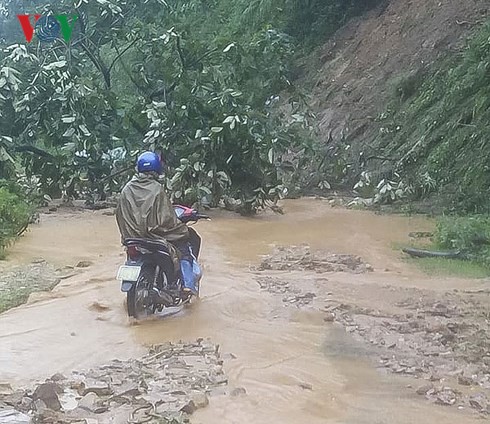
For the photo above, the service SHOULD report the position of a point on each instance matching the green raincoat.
(145, 211)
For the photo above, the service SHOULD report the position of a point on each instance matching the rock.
(330, 317)
(229, 356)
(130, 389)
(423, 390)
(306, 386)
(57, 377)
(89, 402)
(465, 381)
(11, 416)
(220, 379)
(99, 307)
(445, 397)
(6, 389)
(480, 402)
(200, 400)
(100, 388)
(239, 391)
(109, 213)
(189, 408)
(40, 407)
(84, 264)
(48, 393)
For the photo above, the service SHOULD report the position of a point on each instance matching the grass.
(450, 267)
(16, 286)
(437, 124)
(442, 267)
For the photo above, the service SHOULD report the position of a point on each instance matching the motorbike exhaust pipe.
(162, 298)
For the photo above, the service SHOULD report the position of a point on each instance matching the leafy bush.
(470, 235)
(14, 217)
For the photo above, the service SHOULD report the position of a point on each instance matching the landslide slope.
(401, 82)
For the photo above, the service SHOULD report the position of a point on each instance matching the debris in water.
(303, 259)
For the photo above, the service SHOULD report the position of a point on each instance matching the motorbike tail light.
(133, 252)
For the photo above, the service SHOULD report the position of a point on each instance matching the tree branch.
(120, 54)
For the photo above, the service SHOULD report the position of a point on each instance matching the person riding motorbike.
(145, 211)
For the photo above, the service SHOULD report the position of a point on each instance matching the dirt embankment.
(360, 64)
(441, 338)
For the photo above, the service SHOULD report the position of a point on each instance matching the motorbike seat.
(153, 245)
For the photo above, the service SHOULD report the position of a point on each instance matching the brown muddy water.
(294, 367)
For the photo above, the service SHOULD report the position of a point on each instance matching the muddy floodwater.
(293, 366)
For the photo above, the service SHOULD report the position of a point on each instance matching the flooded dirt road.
(294, 367)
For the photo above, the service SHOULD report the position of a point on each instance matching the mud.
(286, 355)
(441, 339)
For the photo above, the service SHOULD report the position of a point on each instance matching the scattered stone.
(423, 390)
(170, 382)
(445, 397)
(84, 264)
(48, 393)
(189, 408)
(6, 389)
(239, 391)
(57, 377)
(100, 388)
(465, 381)
(11, 416)
(306, 386)
(200, 400)
(99, 307)
(89, 402)
(229, 356)
(302, 258)
(480, 402)
(109, 212)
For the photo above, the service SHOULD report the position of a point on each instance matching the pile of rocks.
(303, 259)
(166, 386)
(292, 295)
(442, 339)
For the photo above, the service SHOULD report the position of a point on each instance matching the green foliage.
(470, 235)
(199, 81)
(161, 78)
(441, 132)
(14, 216)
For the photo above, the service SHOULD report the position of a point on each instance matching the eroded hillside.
(376, 66)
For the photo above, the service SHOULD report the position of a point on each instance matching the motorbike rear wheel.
(139, 301)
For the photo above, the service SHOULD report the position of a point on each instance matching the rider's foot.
(190, 291)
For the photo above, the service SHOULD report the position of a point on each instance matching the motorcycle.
(149, 276)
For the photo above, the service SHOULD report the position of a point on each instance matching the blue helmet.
(149, 162)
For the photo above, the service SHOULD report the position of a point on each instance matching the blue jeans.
(186, 265)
